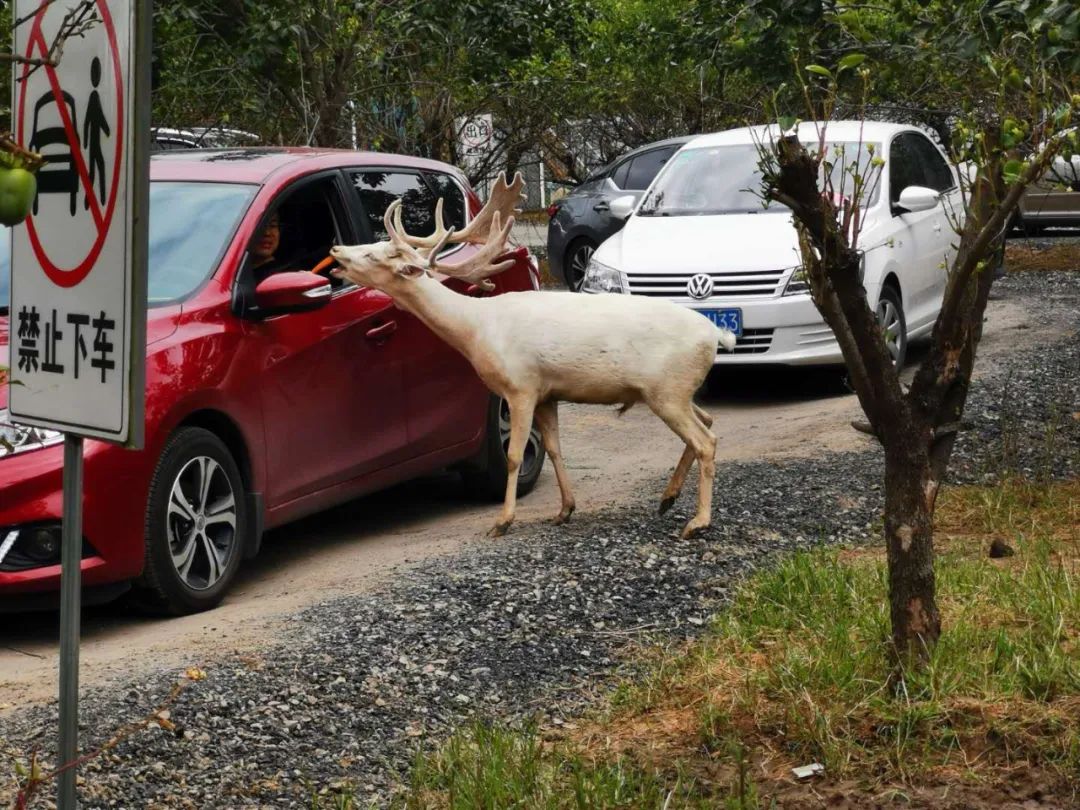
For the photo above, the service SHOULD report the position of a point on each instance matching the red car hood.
(160, 323)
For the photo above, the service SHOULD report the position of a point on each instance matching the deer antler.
(476, 268)
(481, 265)
(392, 224)
(504, 200)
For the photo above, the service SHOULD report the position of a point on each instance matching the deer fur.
(536, 349)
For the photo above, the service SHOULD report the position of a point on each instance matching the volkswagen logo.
(699, 286)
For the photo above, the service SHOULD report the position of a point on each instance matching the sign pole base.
(70, 608)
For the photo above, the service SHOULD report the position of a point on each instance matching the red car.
(269, 395)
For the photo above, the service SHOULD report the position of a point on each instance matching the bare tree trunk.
(330, 130)
(917, 428)
(513, 158)
(910, 494)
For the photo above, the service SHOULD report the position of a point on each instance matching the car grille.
(725, 285)
(752, 341)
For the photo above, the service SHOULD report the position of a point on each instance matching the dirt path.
(612, 460)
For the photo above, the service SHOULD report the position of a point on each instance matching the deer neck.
(450, 315)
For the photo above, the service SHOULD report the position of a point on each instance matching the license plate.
(730, 319)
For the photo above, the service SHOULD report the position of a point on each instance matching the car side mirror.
(291, 292)
(917, 198)
(623, 207)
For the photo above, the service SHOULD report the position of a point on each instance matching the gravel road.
(529, 626)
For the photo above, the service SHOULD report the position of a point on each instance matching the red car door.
(332, 381)
(445, 400)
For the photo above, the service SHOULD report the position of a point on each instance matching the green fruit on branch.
(18, 185)
(17, 190)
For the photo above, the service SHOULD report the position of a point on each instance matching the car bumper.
(114, 498)
(785, 331)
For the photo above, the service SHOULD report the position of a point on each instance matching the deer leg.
(675, 485)
(547, 419)
(684, 422)
(521, 417)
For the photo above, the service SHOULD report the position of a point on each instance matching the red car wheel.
(486, 479)
(196, 524)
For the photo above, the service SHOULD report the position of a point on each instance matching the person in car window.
(263, 247)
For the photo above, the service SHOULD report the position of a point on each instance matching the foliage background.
(584, 79)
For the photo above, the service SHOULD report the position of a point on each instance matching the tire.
(485, 479)
(890, 316)
(575, 262)
(176, 522)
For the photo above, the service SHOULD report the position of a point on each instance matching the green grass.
(798, 666)
(491, 767)
(796, 671)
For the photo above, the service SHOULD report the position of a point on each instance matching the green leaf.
(1011, 171)
(786, 122)
(820, 71)
(852, 60)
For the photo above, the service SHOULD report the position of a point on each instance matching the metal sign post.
(70, 598)
(79, 263)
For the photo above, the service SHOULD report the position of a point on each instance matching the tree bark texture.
(910, 495)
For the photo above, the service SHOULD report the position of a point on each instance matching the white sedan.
(700, 236)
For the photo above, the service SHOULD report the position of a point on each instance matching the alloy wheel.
(579, 262)
(201, 523)
(889, 319)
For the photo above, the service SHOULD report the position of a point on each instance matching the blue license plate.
(730, 319)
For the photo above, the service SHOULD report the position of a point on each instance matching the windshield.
(190, 225)
(726, 180)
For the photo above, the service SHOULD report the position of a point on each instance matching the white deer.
(535, 349)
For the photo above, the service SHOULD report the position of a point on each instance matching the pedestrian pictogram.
(96, 125)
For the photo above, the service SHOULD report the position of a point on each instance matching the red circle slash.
(69, 277)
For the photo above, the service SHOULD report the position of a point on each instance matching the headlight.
(797, 284)
(599, 278)
(16, 438)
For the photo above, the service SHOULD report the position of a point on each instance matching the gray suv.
(583, 219)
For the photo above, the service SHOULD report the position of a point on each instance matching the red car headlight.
(16, 438)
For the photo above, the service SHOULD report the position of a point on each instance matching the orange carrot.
(329, 260)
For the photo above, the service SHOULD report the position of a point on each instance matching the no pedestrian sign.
(78, 286)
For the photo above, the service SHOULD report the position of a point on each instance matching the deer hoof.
(499, 529)
(667, 503)
(564, 516)
(692, 532)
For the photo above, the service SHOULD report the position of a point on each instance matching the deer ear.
(409, 270)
